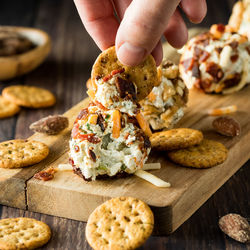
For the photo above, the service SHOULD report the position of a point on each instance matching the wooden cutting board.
(69, 196)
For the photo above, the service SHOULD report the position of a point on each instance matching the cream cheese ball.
(115, 92)
(166, 103)
(217, 61)
(240, 18)
(107, 143)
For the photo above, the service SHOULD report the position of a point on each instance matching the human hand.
(143, 22)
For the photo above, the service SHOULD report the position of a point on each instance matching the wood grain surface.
(64, 73)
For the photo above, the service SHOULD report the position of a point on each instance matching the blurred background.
(69, 63)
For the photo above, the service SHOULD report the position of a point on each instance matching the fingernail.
(129, 54)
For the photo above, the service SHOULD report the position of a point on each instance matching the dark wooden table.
(65, 73)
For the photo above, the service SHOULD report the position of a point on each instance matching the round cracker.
(207, 154)
(120, 223)
(29, 96)
(176, 139)
(7, 108)
(23, 233)
(21, 153)
(143, 75)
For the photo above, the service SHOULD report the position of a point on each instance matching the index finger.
(99, 20)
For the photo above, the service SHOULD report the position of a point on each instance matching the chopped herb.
(88, 126)
(9, 151)
(106, 140)
(107, 117)
(123, 167)
(82, 130)
(102, 167)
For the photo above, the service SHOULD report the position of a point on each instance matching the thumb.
(143, 24)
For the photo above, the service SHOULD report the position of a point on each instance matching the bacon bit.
(219, 49)
(101, 122)
(188, 63)
(75, 130)
(126, 136)
(221, 27)
(234, 58)
(77, 149)
(71, 162)
(223, 111)
(89, 137)
(233, 81)
(196, 70)
(125, 88)
(248, 50)
(215, 71)
(197, 52)
(106, 78)
(122, 122)
(117, 71)
(233, 44)
(45, 175)
(205, 55)
(143, 124)
(92, 155)
(100, 106)
(217, 30)
(147, 143)
(203, 39)
(83, 114)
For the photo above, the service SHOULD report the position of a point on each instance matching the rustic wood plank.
(172, 206)
(13, 181)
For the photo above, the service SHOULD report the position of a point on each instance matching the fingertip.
(195, 10)
(129, 54)
(157, 53)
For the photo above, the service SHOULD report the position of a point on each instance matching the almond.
(226, 126)
(236, 227)
(50, 125)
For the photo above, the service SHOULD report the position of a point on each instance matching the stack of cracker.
(27, 96)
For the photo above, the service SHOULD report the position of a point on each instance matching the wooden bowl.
(17, 65)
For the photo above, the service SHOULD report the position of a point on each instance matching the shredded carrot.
(151, 97)
(223, 111)
(91, 93)
(143, 124)
(116, 124)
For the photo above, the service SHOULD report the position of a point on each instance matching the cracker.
(120, 223)
(23, 233)
(176, 139)
(28, 96)
(21, 153)
(207, 154)
(143, 75)
(7, 108)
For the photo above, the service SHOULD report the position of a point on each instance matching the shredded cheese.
(64, 167)
(152, 166)
(152, 179)
(144, 124)
(223, 111)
